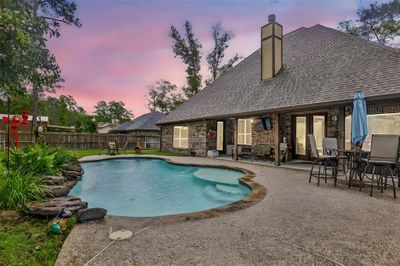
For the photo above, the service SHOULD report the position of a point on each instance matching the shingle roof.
(144, 122)
(322, 66)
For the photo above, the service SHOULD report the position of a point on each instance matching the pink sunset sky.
(123, 46)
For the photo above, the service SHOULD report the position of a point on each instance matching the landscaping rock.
(53, 180)
(51, 207)
(56, 191)
(76, 167)
(91, 214)
(72, 174)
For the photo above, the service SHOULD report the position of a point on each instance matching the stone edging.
(258, 193)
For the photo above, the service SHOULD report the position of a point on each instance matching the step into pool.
(144, 187)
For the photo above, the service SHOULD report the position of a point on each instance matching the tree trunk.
(35, 88)
(35, 104)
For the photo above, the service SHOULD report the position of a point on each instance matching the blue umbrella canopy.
(359, 120)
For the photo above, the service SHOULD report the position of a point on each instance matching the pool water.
(142, 187)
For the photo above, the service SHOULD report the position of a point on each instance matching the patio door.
(220, 136)
(308, 124)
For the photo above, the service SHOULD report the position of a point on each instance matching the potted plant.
(138, 149)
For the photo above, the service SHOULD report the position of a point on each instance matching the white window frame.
(245, 133)
(180, 138)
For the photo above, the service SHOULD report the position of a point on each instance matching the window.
(180, 139)
(377, 124)
(220, 135)
(244, 131)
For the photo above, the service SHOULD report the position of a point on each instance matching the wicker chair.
(325, 161)
(385, 157)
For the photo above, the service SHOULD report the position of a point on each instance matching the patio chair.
(111, 147)
(245, 152)
(124, 148)
(330, 147)
(326, 161)
(283, 148)
(385, 157)
(102, 147)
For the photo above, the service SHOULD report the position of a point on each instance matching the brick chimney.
(271, 48)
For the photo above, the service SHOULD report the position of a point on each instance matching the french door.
(308, 124)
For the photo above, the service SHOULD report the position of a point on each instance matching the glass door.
(220, 135)
(300, 140)
(308, 124)
(318, 129)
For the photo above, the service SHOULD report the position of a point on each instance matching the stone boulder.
(75, 167)
(91, 214)
(72, 174)
(53, 180)
(51, 207)
(56, 190)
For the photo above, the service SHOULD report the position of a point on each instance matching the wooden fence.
(73, 141)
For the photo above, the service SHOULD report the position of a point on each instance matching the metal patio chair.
(384, 156)
(330, 147)
(124, 148)
(324, 160)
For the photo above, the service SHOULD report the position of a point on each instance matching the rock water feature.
(56, 189)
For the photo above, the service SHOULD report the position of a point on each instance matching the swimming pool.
(144, 187)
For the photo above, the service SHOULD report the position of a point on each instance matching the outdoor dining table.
(354, 164)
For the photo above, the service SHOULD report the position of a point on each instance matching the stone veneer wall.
(197, 137)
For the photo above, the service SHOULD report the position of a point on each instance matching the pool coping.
(258, 193)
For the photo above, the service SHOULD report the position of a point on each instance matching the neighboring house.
(144, 128)
(283, 93)
(105, 128)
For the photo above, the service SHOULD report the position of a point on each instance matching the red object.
(15, 121)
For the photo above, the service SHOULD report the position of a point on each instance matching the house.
(144, 128)
(299, 83)
(104, 128)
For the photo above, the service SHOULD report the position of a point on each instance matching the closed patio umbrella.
(359, 120)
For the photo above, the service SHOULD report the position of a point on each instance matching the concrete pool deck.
(296, 223)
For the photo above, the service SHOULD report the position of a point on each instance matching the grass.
(25, 242)
(83, 153)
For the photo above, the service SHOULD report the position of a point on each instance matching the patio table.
(354, 164)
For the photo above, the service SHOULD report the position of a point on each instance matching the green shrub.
(34, 159)
(17, 188)
(61, 156)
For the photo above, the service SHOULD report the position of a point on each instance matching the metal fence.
(73, 141)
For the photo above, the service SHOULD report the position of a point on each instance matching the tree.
(189, 51)
(221, 40)
(46, 75)
(113, 112)
(162, 97)
(17, 47)
(378, 22)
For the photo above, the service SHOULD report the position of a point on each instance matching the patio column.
(277, 139)
(235, 138)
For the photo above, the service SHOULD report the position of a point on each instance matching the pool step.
(217, 195)
(229, 189)
(216, 176)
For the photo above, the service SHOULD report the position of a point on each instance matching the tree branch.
(55, 19)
